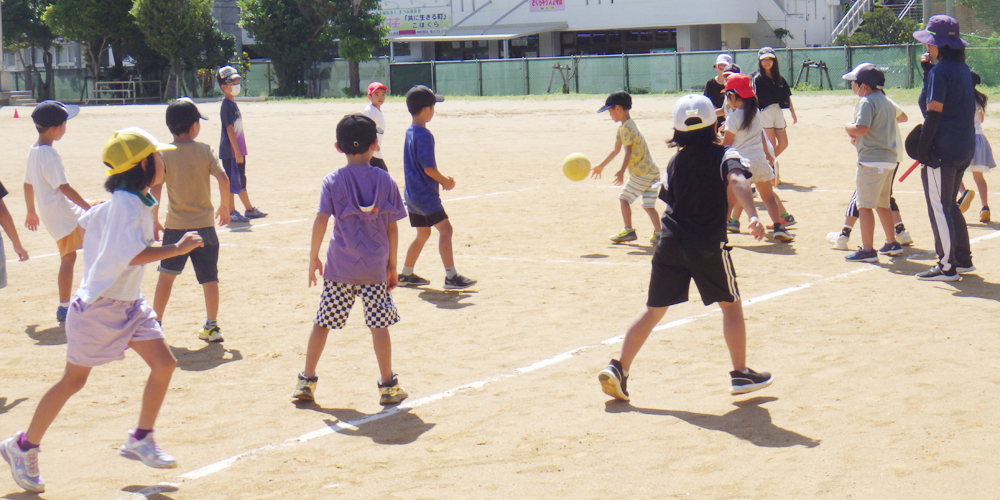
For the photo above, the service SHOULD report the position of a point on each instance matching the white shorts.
(772, 117)
(760, 169)
(99, 332)
(647, 187)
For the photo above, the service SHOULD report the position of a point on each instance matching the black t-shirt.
(771, 92)
(3, 191)
(713, 91)
(695, 194)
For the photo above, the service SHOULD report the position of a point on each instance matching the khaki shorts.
(772, 117)
(71, 242)
(874, 187)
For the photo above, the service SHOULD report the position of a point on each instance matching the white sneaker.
(146, 451)
(23, 464)
(839, 241)
(903, 237)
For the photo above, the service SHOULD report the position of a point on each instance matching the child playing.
(187, 171)
(47, 187)
(643, 174)
(982, 160)
(423, 202)
(108, 314)
(693, 245)
(233, 147)
(744, 134)
(376, 98)
(873, 133)
(361, 258)
(7, 223)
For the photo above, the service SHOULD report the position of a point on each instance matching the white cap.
(853, 75)
(693, 106)
(723, 58)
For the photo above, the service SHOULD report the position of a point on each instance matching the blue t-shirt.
(230, 114)
(421, 193)
(950, 83)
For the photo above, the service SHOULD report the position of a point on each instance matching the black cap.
(419, 97)
(356, 133)
(873, 77)
(619, 98)
(181, 114)
(53, 113)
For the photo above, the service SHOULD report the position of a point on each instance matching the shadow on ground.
(4, 407)
(212, 355)
(397, 426)
(749, 422)
(447, 299)
(154, 492)
(55, 335)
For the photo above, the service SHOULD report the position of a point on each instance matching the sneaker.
(965, 200)
(838, 240)
(458, 282)
(749, 382)
(733, 225)
(984, 214)
(893, 248)
(235, 216)
(306, 389)
(753, 192)
(412, 280)
(613, 380)
(788, 220)
(254, 213)
(146, 451)
(862, 255)
(61, 313)
(903, 237)
(965, 269)
(780, 234)
(654, 237)
(391, 393)
(625, 235)
(23, 464)
(211, 334)
(937, 274)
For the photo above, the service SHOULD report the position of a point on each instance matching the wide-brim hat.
(941, 30)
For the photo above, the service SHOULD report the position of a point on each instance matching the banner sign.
(546, 5)
(417, 20)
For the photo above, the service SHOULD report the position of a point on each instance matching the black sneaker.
(937, 274)
(412, 280)
(613, 380)
(458, 282)
(780, 234)
(749, 382)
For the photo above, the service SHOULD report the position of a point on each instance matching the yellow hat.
(129, 146)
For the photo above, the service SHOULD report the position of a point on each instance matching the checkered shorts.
(338, 298)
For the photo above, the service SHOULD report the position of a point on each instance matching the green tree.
(295, 34)
(95, 23)
(987, 11)
(24, 29)
(359, 28)
(880, 27)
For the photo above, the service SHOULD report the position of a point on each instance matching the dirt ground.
(885, 386)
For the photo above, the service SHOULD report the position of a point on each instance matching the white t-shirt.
(45, 173)
(115, 232)
(979, 124)
(747, 142)
(376, 114)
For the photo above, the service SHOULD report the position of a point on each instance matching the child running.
(47, 187)
(376, 98)
(7, 223)
(982, 160)
(643, 174)
(693, 244)
(108, 314)
(744, 134)
(361, 258)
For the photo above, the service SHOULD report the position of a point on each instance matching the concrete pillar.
(928, 10)
(493, 46)
(684, 40)
(227, 13)
(549, 44)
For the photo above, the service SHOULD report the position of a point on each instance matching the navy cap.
(53, 113)
(619, 98)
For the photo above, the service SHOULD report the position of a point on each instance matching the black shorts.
(204, 259)
(238, 183)
(417, 220)
(378, 163)
(674, 266)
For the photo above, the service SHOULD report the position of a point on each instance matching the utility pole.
(928, 7)
(950, 7)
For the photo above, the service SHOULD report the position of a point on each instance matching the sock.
(24, 444)
(785, 215)
(64, 304)
(450, 272)
(141, 434)
(745, 371)
(209, 323)
(846, 231)
(900, 228)
(407, 270)
(733, 219)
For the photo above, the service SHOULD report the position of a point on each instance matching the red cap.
(741, 84)
(372, 87)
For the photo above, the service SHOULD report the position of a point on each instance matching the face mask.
(235, 89)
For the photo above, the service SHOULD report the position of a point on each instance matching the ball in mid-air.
(576, 167)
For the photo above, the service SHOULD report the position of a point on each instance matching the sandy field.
(885, 386)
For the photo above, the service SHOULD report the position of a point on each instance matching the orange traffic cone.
(15, 113)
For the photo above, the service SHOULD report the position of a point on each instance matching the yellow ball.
(576, 167)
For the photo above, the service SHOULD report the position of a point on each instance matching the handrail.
(851, 20)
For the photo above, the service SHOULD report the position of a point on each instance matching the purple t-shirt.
(362, 201)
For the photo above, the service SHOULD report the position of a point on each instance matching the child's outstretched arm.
(620, 174)
(448, 183)
(223, 212)
(740, 187)
(392, 279)
(188, 242)
(74, 196)
(7, 223)
(596, 172)
(318, 233)
(31, 221)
